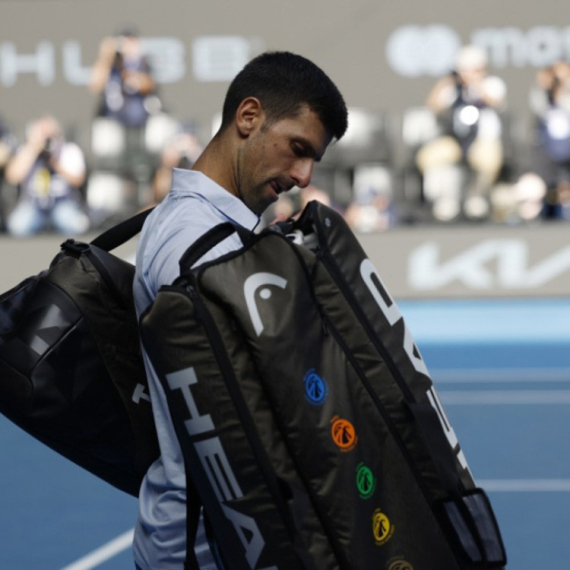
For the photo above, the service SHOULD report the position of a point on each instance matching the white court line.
(103, 553)
(504, 397)
(497, 375)
(525, 485)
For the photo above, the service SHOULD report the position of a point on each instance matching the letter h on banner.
(41, 63)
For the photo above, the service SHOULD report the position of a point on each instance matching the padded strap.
(208, 241)
(122, 232)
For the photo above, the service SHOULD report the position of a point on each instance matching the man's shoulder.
(176, 224)
(189, 213)
(169, 233)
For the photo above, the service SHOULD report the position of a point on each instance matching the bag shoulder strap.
(208, 241)
(117, 274)
(193, 505)
(122, 232)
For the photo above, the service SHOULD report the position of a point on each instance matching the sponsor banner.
(463, 261)
(388, 59)
(413, 262)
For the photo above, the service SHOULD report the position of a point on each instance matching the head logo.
(250, 287)
(343, 434)
(382, 528)
(399, 565)
(365, 481)
(316, 389)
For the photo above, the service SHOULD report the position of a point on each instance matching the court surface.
(502, 369)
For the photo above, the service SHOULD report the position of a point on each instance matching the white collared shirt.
(194, 205)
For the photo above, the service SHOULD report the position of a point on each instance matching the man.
(280, 114)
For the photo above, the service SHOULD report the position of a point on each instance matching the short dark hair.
(284, 82)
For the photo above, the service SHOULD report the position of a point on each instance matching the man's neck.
(216, 163)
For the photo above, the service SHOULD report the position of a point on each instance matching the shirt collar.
(195, 182)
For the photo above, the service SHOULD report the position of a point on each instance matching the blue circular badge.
(316, 389)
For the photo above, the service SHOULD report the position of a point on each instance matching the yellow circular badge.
(382, 528)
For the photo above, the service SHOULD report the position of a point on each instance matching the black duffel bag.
(71, 370)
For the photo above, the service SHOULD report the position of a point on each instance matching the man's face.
(278, 156)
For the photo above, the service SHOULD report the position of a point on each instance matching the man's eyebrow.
(317, 157)
(309, 149)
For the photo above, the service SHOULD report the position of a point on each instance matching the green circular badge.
(365, 481)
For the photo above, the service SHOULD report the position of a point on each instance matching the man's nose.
(302, 172)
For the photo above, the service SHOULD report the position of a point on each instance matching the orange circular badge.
(343, 434)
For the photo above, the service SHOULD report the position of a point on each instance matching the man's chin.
(265, 205)
(263, 198)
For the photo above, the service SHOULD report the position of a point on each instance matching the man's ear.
(249, 116)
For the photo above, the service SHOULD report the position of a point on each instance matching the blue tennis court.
(502, 368)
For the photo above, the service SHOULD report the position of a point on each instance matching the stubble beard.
(260, 198)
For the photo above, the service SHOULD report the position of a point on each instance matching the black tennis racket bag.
(309, 423)
(71, 370)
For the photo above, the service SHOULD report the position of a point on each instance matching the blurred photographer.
(49, 172)
(462, 164)
(549, 101)
(122, 76)
(181, 152)
(7, 146)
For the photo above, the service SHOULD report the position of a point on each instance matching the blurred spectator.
(7, 147)
(7, 144)
(292, 204)
(373, 215)
(461, 165)
(311, 193)
(372, 209)
(49, 172)
(522, 201)
(283, 209)
(286, 206)
(123, 78)
(129, 132)
(181, 152)
(550, 159)
(564, 200)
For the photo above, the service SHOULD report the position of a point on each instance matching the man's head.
(280, 114)
(285, 82)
